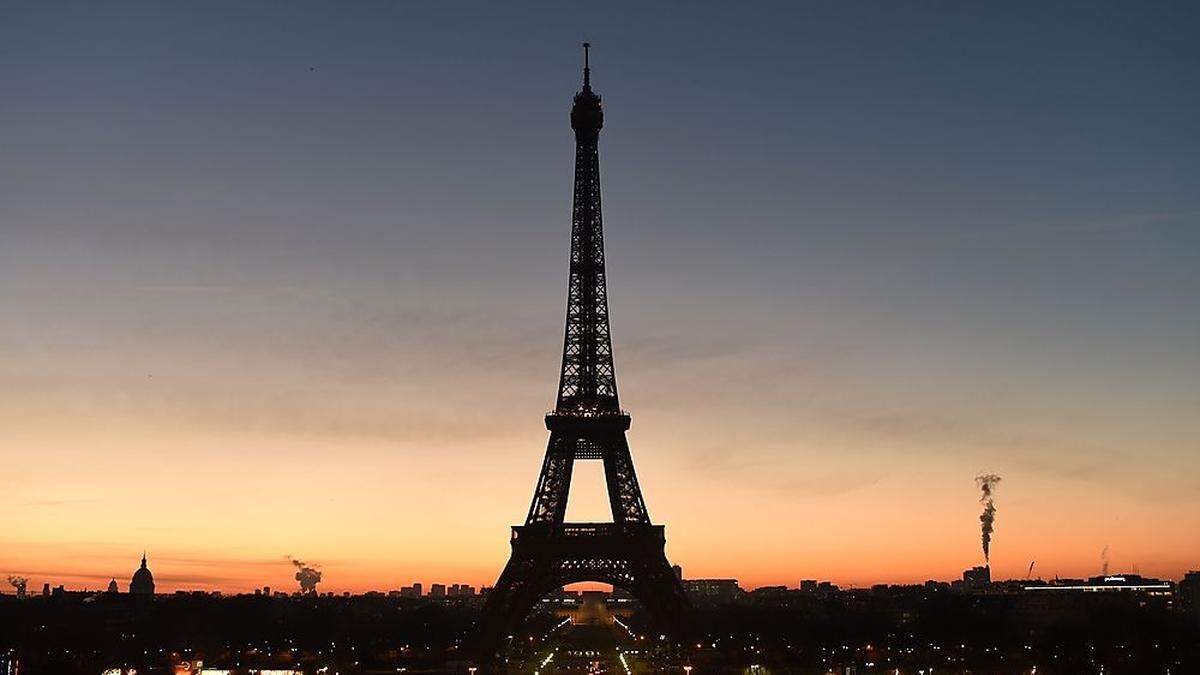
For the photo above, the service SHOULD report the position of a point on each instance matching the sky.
(289, 279)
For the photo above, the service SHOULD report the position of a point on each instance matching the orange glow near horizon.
(376, 516)
(388, 464)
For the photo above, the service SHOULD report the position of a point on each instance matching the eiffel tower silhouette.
(587, 424)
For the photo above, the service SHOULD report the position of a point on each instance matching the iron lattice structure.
(587, 424)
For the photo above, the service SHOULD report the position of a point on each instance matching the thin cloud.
(69, 501)
(197, 561)
(770, 470)
(651, 353)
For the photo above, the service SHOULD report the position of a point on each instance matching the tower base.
(546, 558)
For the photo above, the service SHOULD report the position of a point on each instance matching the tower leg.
(550, 497)
(624, 495)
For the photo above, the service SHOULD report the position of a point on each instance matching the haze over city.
(287, 280)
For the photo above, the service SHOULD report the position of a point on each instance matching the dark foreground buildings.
(817, 629)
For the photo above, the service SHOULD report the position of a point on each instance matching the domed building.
(143, 581)
(112, 587)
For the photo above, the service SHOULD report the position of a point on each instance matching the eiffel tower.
(587, 424)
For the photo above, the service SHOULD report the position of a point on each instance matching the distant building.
(593, 608)
(713, 591)
(143, 581)
(770, 595)
(977, 577)
(563, 594)
(814, 587)
(1107, 583)
(437, 591)
(678, 572)
(1189, 593)
(112, 586)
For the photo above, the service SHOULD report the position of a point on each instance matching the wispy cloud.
(776, 471)
(646, 354)
(66, 501)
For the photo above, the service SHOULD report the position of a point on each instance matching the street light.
(688, 670)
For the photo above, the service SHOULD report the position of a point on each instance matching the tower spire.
(587, 72)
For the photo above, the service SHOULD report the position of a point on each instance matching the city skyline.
(313, 307)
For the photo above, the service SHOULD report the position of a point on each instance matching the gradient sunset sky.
(289, 278)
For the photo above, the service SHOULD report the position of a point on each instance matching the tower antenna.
(587, 71)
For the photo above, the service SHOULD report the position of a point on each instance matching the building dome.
(143, 581)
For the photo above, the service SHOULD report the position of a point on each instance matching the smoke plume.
(1104, 560)
(308, 576)
(987, 486)
(18, 583)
